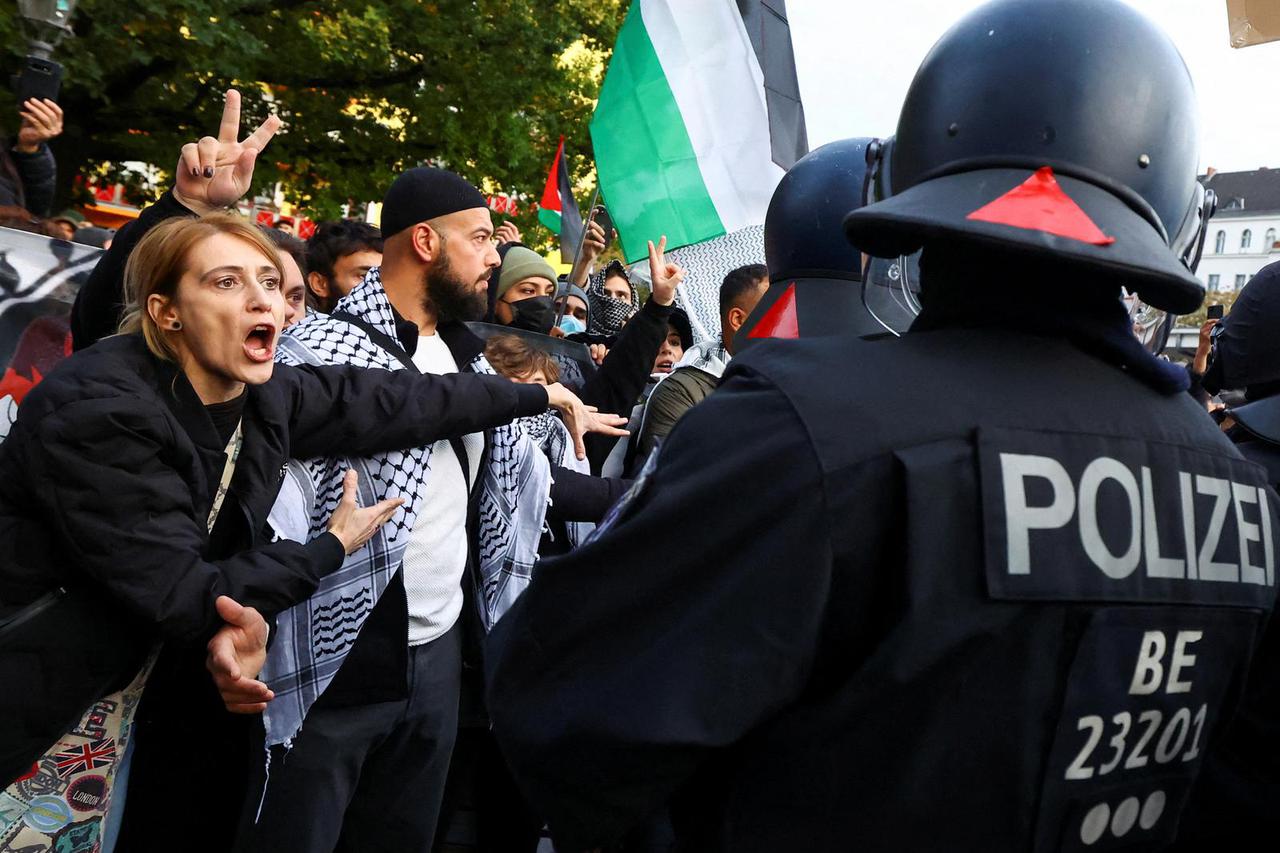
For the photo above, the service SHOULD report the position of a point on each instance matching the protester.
(513, 358)
(368, 766)
(293, 257)
(181, 705)
(678, 339)
(339, 256)
(612, 300)
(144, 417)
(525, 285)
(28, 171)
(700, 370)
(901, 596)
(573, 300)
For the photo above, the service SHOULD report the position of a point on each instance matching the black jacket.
(106, 480)
(28, 180)
(834, 617)
(100, 302)
(619, 382)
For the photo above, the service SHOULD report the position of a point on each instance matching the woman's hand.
(582, 419)
(236, 655)
(354, 525)
(598, 353)
(214, 174)
(41, 121)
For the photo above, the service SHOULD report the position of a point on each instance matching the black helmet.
(815, 273)
(1065, 128)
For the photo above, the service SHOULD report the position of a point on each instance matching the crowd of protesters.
(340, 544)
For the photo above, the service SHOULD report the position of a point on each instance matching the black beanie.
(425, 193)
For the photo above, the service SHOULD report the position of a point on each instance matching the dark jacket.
(824, 633)
(620, 381)
(678, 393)
(27, 180)
(106, 480)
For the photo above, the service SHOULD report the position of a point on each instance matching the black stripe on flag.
(766, 22)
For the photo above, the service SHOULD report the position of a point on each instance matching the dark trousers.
(370, 777)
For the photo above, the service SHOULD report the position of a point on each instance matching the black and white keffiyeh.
(314, 637)
(605, 314)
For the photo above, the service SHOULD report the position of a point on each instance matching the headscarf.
(607, 315)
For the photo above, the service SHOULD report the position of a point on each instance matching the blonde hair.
(158, 262)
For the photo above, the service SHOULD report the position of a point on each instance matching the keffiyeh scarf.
(607, 315)
(313, 638)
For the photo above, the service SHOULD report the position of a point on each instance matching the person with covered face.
(526, 285)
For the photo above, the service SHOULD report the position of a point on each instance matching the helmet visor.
(891, 291)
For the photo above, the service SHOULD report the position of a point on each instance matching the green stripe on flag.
(648, 171)
(550, 218)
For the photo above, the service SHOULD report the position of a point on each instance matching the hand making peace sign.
(215, 173)
(663, 275)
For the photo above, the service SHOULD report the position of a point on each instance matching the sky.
(855, 60)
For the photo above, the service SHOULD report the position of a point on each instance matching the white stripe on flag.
(718, 86)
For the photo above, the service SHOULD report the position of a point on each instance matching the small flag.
(558, 210)
(1039, 204)
(87, 756)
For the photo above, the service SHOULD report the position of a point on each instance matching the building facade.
(1242, 236)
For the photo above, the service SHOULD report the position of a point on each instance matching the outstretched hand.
(663, 275)
(213, 174)
(581, 419)
(236, 655)
(355, 525)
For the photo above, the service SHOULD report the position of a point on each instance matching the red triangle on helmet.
(780, 321)
(1039, 204)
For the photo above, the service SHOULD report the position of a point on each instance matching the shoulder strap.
(394, 349)
(228, 470)
(382, 339)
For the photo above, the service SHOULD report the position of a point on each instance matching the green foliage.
(484, 87)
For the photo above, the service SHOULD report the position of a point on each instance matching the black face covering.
(536, 314)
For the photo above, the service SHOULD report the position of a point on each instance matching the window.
(1245, 239)
(1214, 279)
(1269, 240)
(1239, 282)
(1220, 242)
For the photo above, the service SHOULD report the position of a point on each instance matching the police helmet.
(1061, 128)
(815, 273)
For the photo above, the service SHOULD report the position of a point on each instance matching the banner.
(39, 279)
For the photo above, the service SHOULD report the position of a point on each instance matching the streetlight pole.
(48, 22)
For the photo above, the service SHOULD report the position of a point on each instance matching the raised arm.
(211, 175)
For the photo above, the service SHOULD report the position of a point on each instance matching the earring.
(176, 325)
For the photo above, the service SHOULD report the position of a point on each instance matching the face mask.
(571, 325)
(537, 314)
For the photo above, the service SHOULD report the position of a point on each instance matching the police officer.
(1234, 800)
(815, 274)
(995, 590)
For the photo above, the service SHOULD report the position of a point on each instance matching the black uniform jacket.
(921, 594)
(106, 481)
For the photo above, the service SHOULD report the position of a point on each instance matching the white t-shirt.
(436, 555)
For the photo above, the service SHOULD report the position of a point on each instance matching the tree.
(484, 87)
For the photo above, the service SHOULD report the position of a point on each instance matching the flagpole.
(591, 214)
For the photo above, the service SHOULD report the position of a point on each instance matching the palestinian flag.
(698, 119)
(558, 210)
